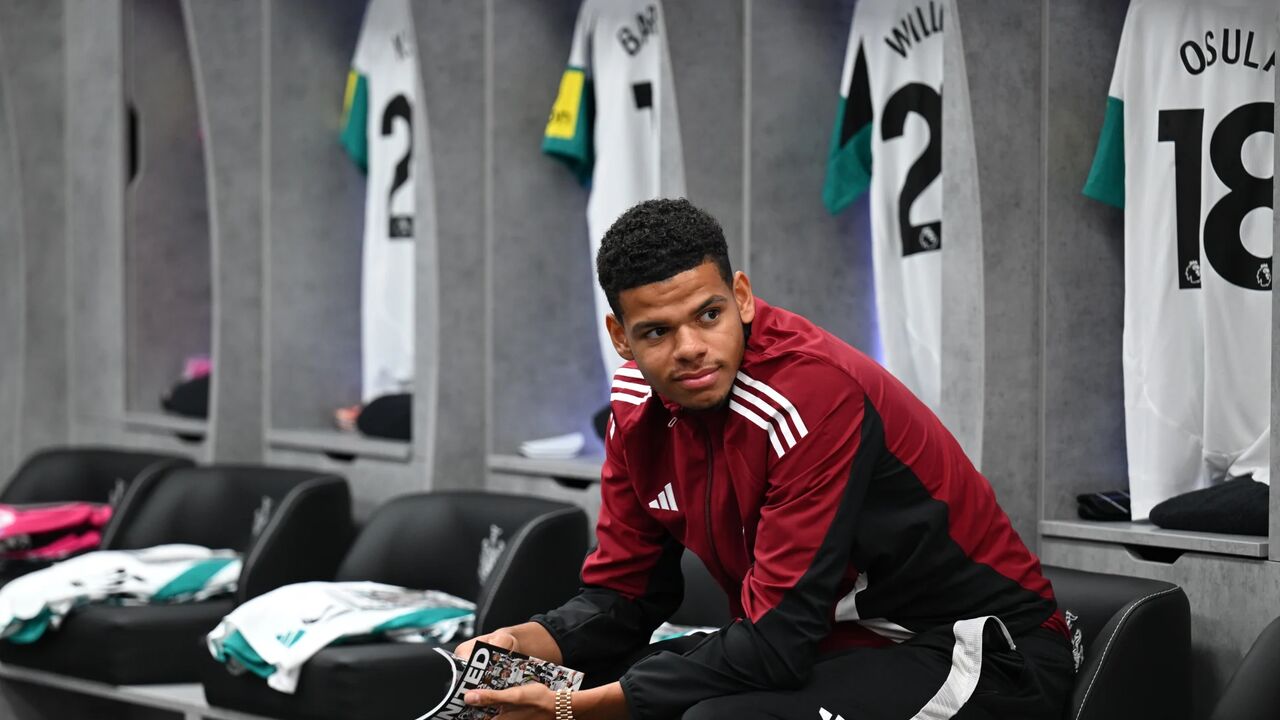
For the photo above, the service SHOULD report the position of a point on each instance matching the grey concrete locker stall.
(226, 42)
(314, 217)
(95, 219)
(97, 213)
(545, 372)
(545, 375)
(32, 52)
(963, 281)
(802, 258)
(1232, 580)
(314, 211)
(991, 287)
(1084, 447)
(12, 276)
(452, 301)
(168, 294)
(163, 238)
(315, 224)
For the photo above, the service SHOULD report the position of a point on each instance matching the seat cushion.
(125, 645)
(371, 681)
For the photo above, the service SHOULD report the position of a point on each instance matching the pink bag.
(51, 532)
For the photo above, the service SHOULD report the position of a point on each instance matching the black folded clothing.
(1113, 505)
(1237, 506)
(390, 416)
(189, 398)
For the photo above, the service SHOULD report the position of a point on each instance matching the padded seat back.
(704, 604)
(528, 549)
(1136, 636)
(90, 474)
(1253, 693)
(218, 506)
(290, 525)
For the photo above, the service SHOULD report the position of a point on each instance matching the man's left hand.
(527, 702)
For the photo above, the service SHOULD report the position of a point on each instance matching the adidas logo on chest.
(666, 500)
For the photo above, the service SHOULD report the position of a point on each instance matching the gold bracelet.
(564, 704)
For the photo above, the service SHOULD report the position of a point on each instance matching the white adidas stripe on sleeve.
(769, 410)
(778, 398)
(628, 398)
(624, 385)
(756, 420)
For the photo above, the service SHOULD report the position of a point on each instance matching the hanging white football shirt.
(275, 634)
(888, 137)
(614, 121)
(1186, 150)
(378, 133)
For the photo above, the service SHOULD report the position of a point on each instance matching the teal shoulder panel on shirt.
(237, 648)
(355, 120)
(1106, 177)
(569, 128)
(848, 167)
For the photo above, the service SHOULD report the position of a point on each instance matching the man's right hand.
(501, 637)
(528, 638)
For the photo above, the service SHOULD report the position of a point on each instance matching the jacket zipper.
(706, 506)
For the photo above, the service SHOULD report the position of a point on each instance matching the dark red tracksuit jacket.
(832, 506)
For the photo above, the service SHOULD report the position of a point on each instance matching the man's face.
(685, 333)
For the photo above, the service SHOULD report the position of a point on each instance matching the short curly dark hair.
(656, 240)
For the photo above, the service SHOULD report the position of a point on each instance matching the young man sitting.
(872, 573)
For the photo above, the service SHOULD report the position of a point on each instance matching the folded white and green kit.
(273, 635)
(37, 602)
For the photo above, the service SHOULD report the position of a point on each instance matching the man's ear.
(618, 334)
(743, 296)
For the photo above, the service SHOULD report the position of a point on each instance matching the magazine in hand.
(493, 668)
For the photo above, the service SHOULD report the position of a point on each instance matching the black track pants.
(964, 672)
